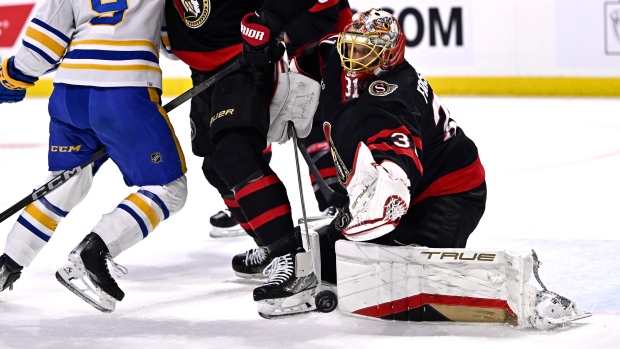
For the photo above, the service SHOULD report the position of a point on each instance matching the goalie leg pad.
(422, 284)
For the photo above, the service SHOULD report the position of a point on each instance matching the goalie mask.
(372, 42)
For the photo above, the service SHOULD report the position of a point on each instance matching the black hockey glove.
(262, 43)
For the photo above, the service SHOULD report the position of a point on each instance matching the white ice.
(552, 173)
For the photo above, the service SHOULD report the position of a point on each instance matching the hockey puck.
(326, 301)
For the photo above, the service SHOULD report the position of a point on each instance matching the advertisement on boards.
(13, 20)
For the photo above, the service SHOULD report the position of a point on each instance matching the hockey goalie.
(416, 189)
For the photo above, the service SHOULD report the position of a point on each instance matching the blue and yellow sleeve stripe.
(46, 41)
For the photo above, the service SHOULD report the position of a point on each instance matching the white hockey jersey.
(97, 42)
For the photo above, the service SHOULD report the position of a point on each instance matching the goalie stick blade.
(70, 273)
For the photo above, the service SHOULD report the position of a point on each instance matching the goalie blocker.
(466, 285)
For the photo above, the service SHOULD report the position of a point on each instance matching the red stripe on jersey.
(413, 302)
(318, 7)
(268, 149)
(269, 216)
(388, 134)
(208, 61)
(458, 181)
(325, 173)
(400, 151)
(257, 185)
(245, 226)
(317, 147)
(231, 203)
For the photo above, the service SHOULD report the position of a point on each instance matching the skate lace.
(255, 256)
(118, 269)
(279, 270)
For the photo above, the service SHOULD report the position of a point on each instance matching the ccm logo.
(252, 33)
(64, 149)
(483, 257)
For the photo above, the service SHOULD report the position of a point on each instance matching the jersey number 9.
(110, 12)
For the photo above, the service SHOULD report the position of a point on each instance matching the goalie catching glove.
(13, 83)
(378, 196)
(295, 99)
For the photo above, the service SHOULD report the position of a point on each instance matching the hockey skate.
(10, 271)
(252, 263)
(224, 225)
(87, 274)
(290, 288)
(551, 309)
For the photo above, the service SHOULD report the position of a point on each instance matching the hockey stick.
(333, 198)
(325, 300)
(66, 175)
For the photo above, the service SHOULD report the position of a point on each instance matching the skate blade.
(71, 273)
(259, 276)
(566, 319)
(298, 304)
(227, 232)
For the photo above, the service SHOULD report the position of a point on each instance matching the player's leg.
(230, 221)
(69, 146)
(441, 221)
(140, 139)
(239, 130)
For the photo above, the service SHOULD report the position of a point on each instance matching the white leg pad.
(460, 284)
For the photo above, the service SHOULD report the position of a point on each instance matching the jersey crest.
(193, 12)
(341, 169)
(381, 88)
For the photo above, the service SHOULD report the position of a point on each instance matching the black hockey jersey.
(206, 33)
(401, 120)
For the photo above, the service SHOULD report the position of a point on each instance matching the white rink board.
(519, 38)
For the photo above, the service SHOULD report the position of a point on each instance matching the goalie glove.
(295, 99)
(378, 196)
(13, 83)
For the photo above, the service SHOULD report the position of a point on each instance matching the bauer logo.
(193, 12)
(13, 18)
(612, 28)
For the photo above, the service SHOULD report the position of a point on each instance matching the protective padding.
(38, 221)
(140, 213)
(422, 284)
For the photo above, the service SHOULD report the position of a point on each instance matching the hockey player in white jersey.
(106, 94)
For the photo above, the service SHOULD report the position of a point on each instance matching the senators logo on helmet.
(193, 12)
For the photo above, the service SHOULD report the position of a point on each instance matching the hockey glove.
(262, 42)
(378, 196)
(13, 83)
(295, 100)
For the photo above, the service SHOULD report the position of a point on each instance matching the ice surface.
(552, 173)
